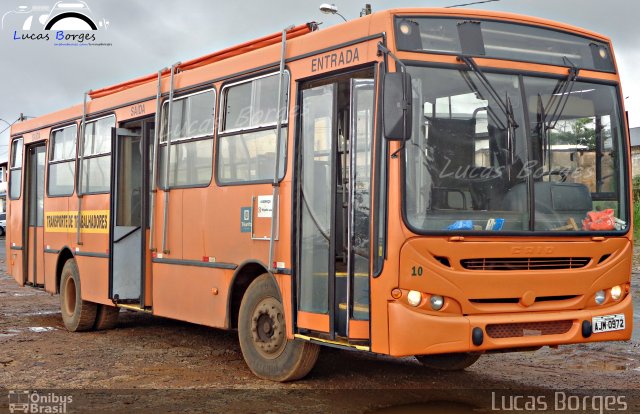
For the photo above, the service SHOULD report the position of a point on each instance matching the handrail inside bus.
(230, 52)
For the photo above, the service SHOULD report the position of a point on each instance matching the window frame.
(12, 168)
(62, 161)
(81, 158)
(179, 141)
(223, 133)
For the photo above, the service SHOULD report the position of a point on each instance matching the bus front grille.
(525, 263)
(517, 330)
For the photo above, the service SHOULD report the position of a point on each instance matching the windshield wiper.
(504, 106)
(560, 96)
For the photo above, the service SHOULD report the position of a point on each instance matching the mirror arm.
(382, 49)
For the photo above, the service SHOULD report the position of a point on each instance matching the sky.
(37, 77)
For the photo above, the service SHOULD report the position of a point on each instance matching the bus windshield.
(553, 162)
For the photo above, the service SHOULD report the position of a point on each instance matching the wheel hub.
(267, 328)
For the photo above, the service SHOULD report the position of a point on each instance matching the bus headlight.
(616, 292)
(414, 297)
(600, 297)
(437, 302)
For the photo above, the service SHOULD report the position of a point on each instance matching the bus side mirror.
(396, 95)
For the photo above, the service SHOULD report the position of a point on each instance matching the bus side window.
(15, 172)
(248, 129)
(62, 161)
(96, 163)
(190, 163)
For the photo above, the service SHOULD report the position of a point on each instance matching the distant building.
(635, 151)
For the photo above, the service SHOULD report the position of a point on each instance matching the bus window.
(62, 161)
(191, 140)
(247, 151)
(96, 164)
(15, 174)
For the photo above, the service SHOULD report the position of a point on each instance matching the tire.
(77, 314)
(449, 362)
(267, 351)
(106, 317)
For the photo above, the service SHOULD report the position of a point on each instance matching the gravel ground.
(151, 364)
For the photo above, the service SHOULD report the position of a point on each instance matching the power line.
(470, 4)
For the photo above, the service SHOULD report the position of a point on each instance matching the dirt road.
(196, 363)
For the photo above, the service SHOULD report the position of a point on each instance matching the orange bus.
(432, 182)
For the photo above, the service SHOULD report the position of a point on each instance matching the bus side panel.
(174, 233)
(194, 223)
(14, 240)
(190, 293)
(284, 282)
(55, 239)
(93, 279)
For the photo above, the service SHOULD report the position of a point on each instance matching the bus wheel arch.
(64, 255)
(243, 276)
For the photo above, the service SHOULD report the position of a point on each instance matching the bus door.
(334, 200)
(34, 212)
(127, 212)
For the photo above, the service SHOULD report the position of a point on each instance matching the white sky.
(37, 78)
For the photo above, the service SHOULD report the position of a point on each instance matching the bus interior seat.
(572, 199)
(452, 146)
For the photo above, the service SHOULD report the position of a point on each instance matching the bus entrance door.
(34, 214)
(127, 241)
(334, 203)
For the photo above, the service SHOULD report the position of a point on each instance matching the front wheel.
(449, 362)
(263, 337)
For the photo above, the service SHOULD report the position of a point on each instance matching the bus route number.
(416, 271)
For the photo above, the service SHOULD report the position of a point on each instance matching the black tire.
(106, 317)
(267, 351)
(449, 362)
(77, 314)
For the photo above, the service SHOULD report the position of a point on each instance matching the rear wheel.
(77, 314)
(263, 338)
(106, 317)
(449, 362)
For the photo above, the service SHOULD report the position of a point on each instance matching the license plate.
(608, 323)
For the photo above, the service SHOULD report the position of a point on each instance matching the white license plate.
(608, 323)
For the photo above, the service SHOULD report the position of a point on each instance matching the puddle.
(39, 313)
(34, 329)
(41, 329)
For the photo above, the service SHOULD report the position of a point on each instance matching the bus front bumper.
(412, 332)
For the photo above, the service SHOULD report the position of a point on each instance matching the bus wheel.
(77, 314)
(106, 317)
(449, 362)
(263, 337)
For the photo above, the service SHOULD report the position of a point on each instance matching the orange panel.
(30, 249)
(93, 279)
(148, 274)
(186, 293)
(39, 253)
(314, 321)
(358, 329)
